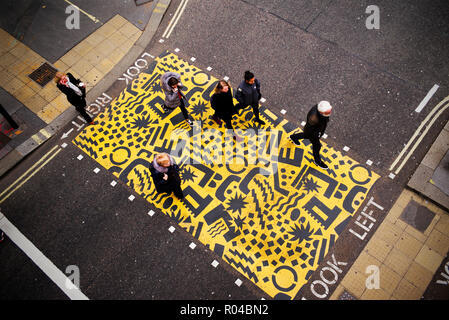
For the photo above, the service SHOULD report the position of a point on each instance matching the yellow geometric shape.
(260, 204)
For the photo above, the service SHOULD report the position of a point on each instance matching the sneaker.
(293, 141)
(217, 120)
(166, 109)
(321, 164)
(190, 122)
(92, 123)
(261, 122)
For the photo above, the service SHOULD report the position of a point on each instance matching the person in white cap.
(317, 120)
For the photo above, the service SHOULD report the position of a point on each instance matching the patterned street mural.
(260, 204)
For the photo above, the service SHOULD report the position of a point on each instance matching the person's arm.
(239, 95)
(258, 88)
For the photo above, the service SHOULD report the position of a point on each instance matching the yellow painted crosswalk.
(260, 204)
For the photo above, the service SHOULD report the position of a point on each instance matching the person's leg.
(256, 114)
(296, 137)
(184, 111)
(84, 114)
(216, 118)
(316, 147)
(177, 191)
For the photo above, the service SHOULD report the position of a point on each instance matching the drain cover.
(44, 74)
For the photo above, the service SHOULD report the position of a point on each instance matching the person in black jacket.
(165, 174)
(248, 94)
(317, 119)
(75, 91)
(223, 105)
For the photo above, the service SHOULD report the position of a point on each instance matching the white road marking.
(192, 246)
(345, 148)
(225, 78)
(175, 19)
(423, 123)
(283, 111)
(171, 229)
(215, 263)
(303, 123)
(177, 50)
(31, 175)
(420, 138)
(262, 100)
(80, 157)
(209, 68)
(324, 136)
(28, 171)
(427, 98)
(131, 198)
(238, 282)
(113, 183)
(64, 145)
(151, 213)
(91, 17)
(96, 170)
(369, 162)
(391, 175)
(57, 276)
(193, 59)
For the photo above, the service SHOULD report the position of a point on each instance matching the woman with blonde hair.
(75, 92)
(223, 105)
(165, 174)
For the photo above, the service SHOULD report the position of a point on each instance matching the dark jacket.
(168, 185)
(315, 128)
(223, 104)
(248, 95)
(72, 97)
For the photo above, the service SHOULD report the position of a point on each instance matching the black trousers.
(255, 107)
(227, 121)
(81, 109)
(183, 109)
(316, 144)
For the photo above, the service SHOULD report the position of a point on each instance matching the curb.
(16, 155)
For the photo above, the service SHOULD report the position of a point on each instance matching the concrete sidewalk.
(97, 61)
(410, 247)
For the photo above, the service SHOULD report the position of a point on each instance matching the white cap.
(325, 108)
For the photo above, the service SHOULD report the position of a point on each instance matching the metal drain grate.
(44, 74)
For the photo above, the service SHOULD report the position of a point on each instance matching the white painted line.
(177, 18)
(391, 175)
(171, 229)
(209, 68)
(420, 138)
(131, 198)
(427, 98)
(369, 162)
(192, 246)
(262, 100)
(215, 263)
(238, 282)
(345, 148)
(31, 175)
(177, 50)
(80, 157)
(173, 19)
(225, 78)
(91, 17)
(417, 132)
(161, 40)
(59, 278)
(64, 145)
(303, 123)
(193, 59)
(113, 183)
(151, 213)
(29, 170)
(283, 111)
(96, 170)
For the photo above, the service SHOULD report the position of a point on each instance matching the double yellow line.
(435, 113)
(29, 173)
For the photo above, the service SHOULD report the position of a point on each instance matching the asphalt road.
(302, 53)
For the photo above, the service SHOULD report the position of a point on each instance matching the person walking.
(165, 174)
(223, 105)
(75, 92)
(171, 85)
(317, 119)
(248, 94)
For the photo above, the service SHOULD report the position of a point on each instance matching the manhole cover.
(346, 296)
(44, 74)
(416, 215)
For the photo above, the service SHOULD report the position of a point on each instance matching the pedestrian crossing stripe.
(270, 213)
